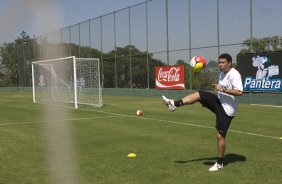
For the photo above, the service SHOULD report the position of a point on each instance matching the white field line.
(77, 119)
(167, 121)
(277, 106)
(189, 124)
(9, 100)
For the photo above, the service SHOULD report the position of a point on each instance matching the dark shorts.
(212, 102)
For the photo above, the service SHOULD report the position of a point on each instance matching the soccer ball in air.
(139, 113)
(197, 63)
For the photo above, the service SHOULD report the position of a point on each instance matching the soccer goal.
(67, 80)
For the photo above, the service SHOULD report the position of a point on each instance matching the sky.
(31, 15)
(21, 15)
(38, 17)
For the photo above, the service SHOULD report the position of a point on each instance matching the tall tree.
(266, 44)
(138, 68)
(14, 55)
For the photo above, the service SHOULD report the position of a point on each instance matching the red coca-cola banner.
(169, 77)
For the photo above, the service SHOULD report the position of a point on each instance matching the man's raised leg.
(187, 100)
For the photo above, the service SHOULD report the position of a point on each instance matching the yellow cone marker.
(131, 155)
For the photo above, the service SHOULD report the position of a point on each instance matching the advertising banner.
(169, 77)
(261, 72)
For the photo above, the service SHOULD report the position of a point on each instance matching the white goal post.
(67, 80)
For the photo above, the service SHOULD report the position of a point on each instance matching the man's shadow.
(228, 158)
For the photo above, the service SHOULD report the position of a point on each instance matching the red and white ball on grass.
(197, 63)
(139, 113)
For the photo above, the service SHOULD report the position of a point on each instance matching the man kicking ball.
(223, 105)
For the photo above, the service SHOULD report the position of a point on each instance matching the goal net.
(67, 80)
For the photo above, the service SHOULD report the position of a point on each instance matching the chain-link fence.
(131, 41)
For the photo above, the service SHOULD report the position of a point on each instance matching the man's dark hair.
(226, 56)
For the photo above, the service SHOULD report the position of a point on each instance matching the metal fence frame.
(38, 53)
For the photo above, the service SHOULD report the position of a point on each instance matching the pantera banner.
(169, 77)
(261, 72)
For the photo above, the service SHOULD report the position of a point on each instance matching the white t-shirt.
(231, 80)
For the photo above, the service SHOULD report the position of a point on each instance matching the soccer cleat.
(169, 103)
(216, 167)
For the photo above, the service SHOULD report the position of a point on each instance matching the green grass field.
(171, 148)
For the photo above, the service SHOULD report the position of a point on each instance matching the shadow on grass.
(229, 158)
